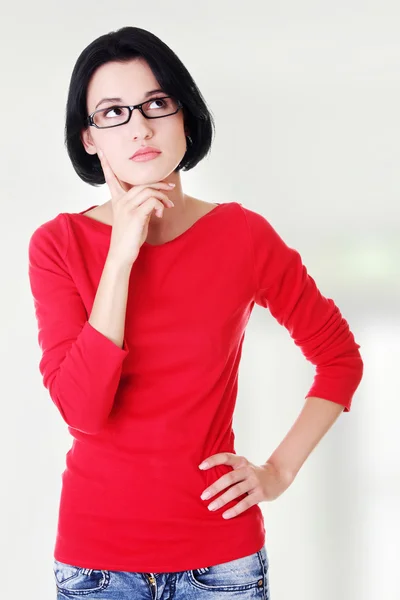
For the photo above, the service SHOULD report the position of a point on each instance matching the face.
(130, 81)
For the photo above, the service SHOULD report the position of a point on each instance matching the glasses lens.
(117, 115)
(160, 107)
(113, 115)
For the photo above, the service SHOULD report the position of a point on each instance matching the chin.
(148, 175)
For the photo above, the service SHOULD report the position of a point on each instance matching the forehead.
(127, 80)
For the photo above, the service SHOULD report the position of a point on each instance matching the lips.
(146, 150)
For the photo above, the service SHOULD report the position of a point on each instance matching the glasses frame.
(131, 108)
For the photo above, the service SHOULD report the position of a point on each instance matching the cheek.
(180, 146)
(111, 146)
(173, 146)
(174, 138)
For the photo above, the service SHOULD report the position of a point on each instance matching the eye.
(113, 109)
(162, 101)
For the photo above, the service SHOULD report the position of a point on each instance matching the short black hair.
(124, 45)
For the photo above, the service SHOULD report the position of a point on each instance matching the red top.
(144, 416)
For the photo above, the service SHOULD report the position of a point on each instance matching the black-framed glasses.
(116, 115)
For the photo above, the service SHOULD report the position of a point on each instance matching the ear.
(87, 141)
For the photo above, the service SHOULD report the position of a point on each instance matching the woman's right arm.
(82, 357)
(109, 308)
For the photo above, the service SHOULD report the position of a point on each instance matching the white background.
(314, 89)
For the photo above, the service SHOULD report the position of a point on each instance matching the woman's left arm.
(254, 483)
(315, 419)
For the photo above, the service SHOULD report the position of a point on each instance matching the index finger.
(116, 187)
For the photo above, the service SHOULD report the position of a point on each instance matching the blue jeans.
(245, 578)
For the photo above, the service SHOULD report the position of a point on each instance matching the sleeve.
(283, 285)
(80, 366)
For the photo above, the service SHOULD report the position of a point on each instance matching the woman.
(142, 304)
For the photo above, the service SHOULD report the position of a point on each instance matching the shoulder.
(260, 227)
(52, 234)
(253, 218)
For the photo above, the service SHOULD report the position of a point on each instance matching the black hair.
(123, 45)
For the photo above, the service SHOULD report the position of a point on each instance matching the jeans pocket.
(72, 579)
(241, 574)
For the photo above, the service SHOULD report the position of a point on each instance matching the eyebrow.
(147, 94)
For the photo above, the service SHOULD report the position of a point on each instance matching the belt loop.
(203, 570)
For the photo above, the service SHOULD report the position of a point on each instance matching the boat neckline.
(106, 227)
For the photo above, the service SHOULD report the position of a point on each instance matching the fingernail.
(171, 203)
(171, 184)
(100, 153)
(203, 465)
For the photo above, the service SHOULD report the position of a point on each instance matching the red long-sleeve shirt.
(144, 416)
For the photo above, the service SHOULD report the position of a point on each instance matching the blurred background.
(315, 88)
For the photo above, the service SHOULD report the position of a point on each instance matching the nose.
(139, 125)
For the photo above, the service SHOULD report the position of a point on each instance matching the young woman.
(142, 304)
